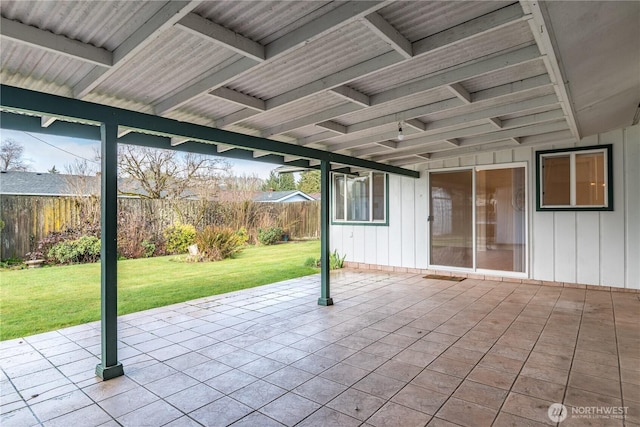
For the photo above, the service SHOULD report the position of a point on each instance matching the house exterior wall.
(588, 248)
(295, 198)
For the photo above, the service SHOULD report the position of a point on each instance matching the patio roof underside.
(458, 77)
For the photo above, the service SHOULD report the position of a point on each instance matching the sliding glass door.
(452, 218)
(478, 219)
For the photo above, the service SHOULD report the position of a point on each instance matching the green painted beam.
(325, 204)
(28, 101)
(343, 170)
(109, 366)
(33, 124)
(162, 142)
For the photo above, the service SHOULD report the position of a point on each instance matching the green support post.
(325, 295)
(109, 367)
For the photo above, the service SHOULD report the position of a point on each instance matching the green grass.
(45, 299)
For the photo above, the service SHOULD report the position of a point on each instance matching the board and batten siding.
(591, 248)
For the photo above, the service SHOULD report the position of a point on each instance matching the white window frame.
(572, 153)
(370, 221)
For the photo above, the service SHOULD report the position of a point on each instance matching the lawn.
(49, 298)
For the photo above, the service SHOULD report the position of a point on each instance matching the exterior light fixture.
(400, 134)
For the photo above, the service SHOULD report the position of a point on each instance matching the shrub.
(243, 233)
(216, 243)
(135, 234)
(269, 236)
(43, 247)
(312, 262)
(83, 250)
(179, 237)
(149, 248)
(335, 261)
(12, 263)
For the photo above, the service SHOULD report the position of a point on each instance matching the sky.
(42, 152)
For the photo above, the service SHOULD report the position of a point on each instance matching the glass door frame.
(475, 269)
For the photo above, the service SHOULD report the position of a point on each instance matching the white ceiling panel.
(173, 58)
(40, 65)
(419, 19)
(100, 23)
(338, 73)
(504, 76)
(443, 59)
(210, 106)
(263, 21)
(317, 60)
(295, 110)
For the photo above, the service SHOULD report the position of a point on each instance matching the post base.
(110, 371)
(325, 301)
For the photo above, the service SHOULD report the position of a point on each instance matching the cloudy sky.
(42, 152)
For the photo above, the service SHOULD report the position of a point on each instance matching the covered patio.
(396, 349)
(397, 91)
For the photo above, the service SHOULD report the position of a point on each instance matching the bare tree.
(81, 178)
(83, 167)
(158, 174)
(84, 184)
(243, 182)
(240, 188)
(11, 153)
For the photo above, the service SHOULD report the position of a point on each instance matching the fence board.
(28, 219)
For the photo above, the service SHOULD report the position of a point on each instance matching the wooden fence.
(28, 219)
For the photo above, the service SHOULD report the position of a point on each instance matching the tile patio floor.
(395, 350)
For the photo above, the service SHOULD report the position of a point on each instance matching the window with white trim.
(360, 199)
(575, 179)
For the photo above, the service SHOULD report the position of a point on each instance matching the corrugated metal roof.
(263, 21)
(442, 59)
(316, 60)
(528, 112)
(40, 65)
(412, 101)
(173, 58)
(504, 76)
(209, 106)
(481, 105)
(177, 68)
(100, 23)
(297, 109)
(191, 117)
(19, 80)
(306, 131)
(416, 20)
(129, 104)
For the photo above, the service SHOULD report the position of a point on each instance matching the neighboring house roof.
(316, 196)
(57, 184)
(282, 196)
(47, 184)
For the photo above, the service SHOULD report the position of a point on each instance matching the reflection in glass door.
(481, 213)
(500, 219)
(452, 218)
